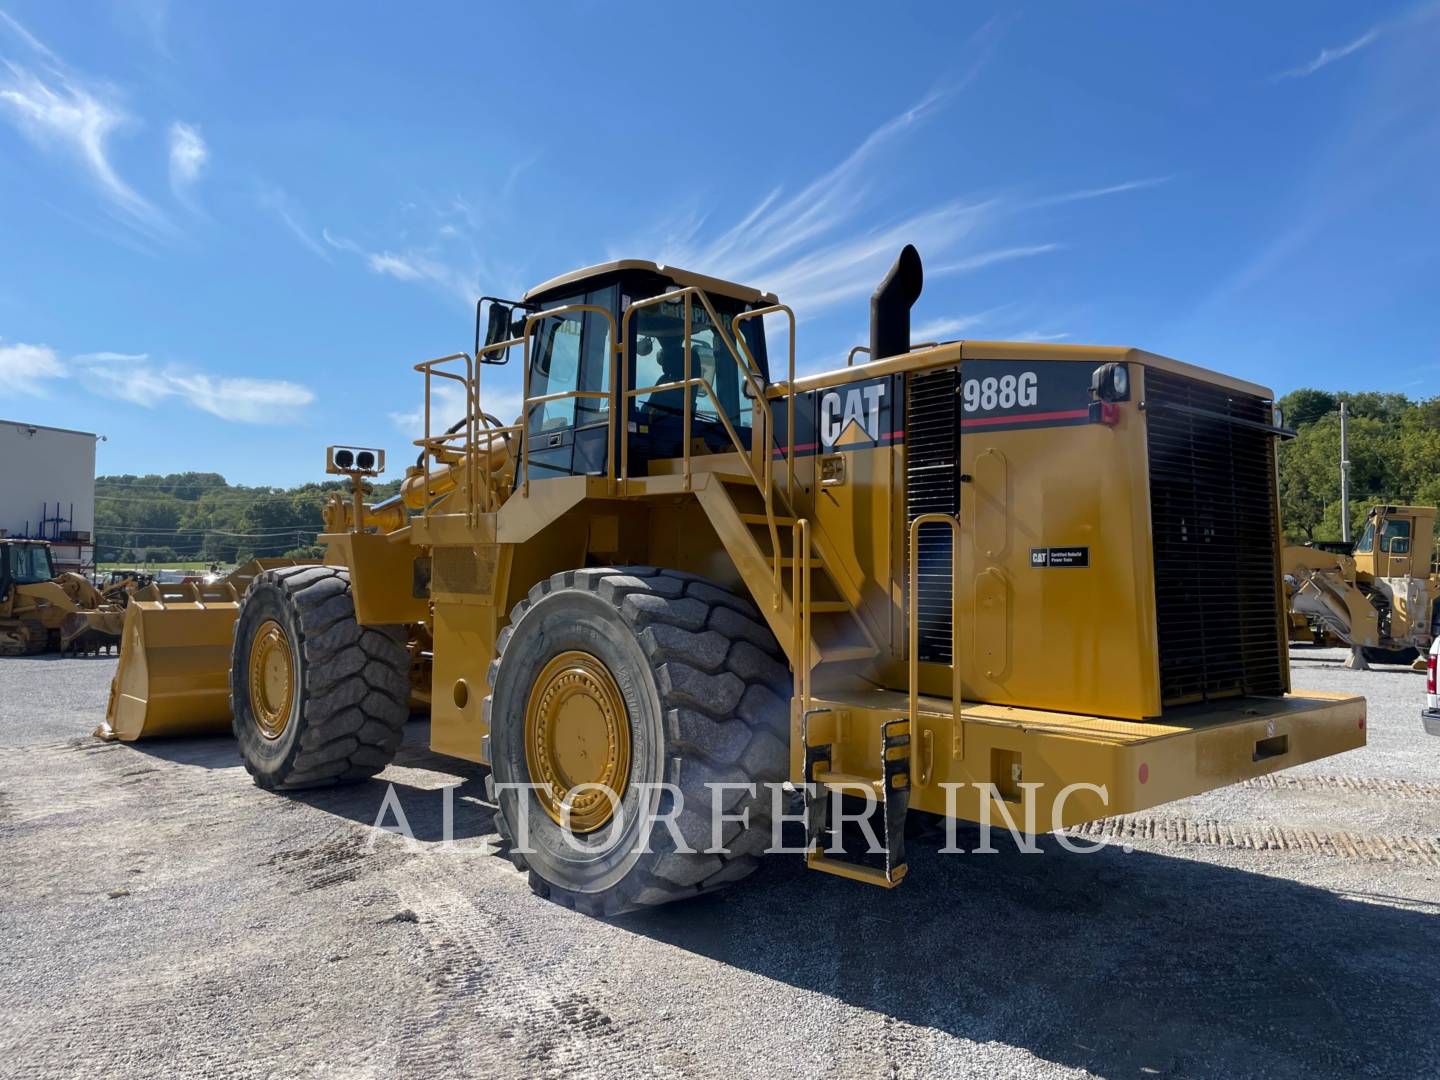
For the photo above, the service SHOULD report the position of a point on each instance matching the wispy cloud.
(133, 378)
(32, 370)
(1039, 335)
(813, 246)
(27, 369)
(512, 178)
(289, 214)
(59, 112)
(945, 329)
(1101, 192)
(1327, 56)
(188, 157)
(990, 258)
(460, 279)
(777, 227)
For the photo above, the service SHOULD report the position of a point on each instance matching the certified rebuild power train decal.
(1000, 395)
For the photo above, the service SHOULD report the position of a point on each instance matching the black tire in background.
(706, 692)
(1406, 655)
(351, 683)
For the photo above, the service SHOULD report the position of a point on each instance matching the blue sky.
(228, 231)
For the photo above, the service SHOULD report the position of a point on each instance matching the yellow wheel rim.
(577, 732)
(272, 679)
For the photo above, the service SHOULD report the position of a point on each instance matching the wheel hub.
(577, 732)
(272, 679)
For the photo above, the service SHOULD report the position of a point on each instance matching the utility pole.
(1344, 474)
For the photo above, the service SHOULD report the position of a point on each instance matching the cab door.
(568, 435)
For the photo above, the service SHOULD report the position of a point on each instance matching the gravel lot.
(162, 915)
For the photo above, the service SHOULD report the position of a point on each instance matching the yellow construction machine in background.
(1383, 600)
(974, 579)
(42, 611)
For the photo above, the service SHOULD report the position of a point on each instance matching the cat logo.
(851, 417)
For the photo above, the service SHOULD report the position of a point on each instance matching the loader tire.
(701, 696)
(1379, 655)
(315, 698)
(23, 637)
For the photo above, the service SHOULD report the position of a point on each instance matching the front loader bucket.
(91, 631)
(174, 673)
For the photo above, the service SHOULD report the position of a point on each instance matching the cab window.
(571, 352)
(30, 564)
(1395, 537)
(1366, 544)
(659, 350)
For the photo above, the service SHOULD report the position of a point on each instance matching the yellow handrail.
(761, 441)
(431, 444)
(912, 603)
(461, 448)
(800, 576)
(850, 356)
(774, 309)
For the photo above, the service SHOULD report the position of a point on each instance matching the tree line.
(201, 517)
(1394, 451)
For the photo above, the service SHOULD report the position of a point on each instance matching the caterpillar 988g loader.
(958, 579)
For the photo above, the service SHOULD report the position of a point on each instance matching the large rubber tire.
(33, 638)
(1407, 655)
(351, 685)
(706, 693)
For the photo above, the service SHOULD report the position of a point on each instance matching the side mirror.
(506, 320)
(497, 329)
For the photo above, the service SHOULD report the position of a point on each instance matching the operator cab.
(571, 354)
(1396, 542)
(24, 563)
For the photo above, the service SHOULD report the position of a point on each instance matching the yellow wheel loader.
(1382, 600)
(41, 611)
(690, 593)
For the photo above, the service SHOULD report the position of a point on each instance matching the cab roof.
(682, 278)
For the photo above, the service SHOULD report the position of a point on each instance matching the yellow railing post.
(912, 644)
(800, 650)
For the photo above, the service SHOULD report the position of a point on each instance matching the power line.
(199, 531)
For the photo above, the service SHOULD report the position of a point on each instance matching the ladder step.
(830, 605)
(761, 519)
(847, 652)
(870, 876)
(842, 782)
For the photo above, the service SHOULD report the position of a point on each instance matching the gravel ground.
(161, 915)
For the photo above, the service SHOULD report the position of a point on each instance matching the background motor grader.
(41, 611)
(956, 580)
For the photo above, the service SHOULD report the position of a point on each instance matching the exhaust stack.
(890, 305)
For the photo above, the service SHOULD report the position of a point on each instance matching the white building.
(47, 489)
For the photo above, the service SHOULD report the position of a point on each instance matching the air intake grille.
(1213, 518)
(932, 486)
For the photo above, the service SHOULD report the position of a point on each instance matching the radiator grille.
(932, 486)
(1213, 519)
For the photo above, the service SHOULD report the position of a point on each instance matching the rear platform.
(1071, 769)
